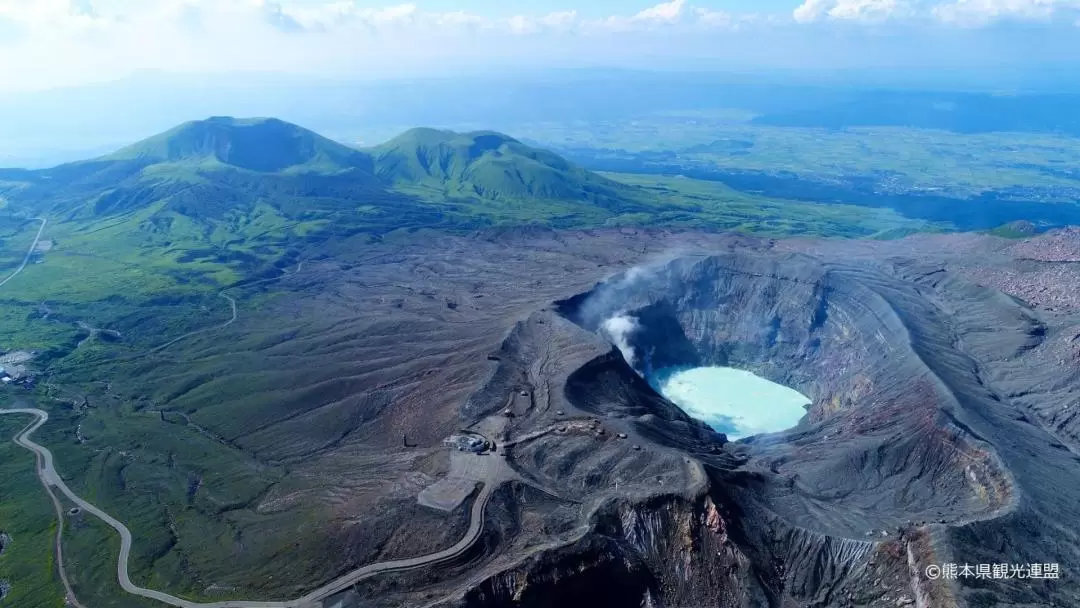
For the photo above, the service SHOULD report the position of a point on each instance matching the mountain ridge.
(490, 165)
(263, 185)
(263, 145)
(434, 163)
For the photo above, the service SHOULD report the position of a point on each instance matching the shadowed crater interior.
(916, 447)
(880, 444)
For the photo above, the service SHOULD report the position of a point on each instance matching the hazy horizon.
(78, 122)
(81, 77)
(55, 43)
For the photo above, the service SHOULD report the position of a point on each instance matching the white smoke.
(619, 330)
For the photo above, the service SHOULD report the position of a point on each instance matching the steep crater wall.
(881, 445)
(789, 319)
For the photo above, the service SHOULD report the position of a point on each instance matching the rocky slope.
(939, 433)
(942, 430)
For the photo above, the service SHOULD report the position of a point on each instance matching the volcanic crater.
(943, 426)
(914, 451)
(881, 444)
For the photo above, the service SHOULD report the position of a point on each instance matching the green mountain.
(238, 198)
(490, 165)
(264, 145)
(247, 188)
(218, 174)
(212, 169)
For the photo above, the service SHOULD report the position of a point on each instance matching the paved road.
(51, 479)
(30, 252)
(72, 600)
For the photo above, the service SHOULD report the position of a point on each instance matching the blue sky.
(589, 9)
(50, 43)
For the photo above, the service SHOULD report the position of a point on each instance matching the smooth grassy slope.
(265, 145)
(236, 193)
(186, 497)
(485, 166)
(16, 236)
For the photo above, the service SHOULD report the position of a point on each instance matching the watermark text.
(993, 571)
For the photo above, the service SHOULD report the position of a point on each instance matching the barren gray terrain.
(941, 429)
(942, 369)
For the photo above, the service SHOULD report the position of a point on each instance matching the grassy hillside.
(493, 166)
(264, 145)
(217, 173)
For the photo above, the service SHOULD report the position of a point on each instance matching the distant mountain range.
(48, 127)
(269, 183)
(210, 169)
(222, 200)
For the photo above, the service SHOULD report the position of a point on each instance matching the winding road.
(71, 599)
(30, 252)
(50, 479)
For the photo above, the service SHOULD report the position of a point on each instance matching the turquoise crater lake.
(732, 401)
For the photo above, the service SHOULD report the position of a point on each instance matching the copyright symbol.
(933, 572)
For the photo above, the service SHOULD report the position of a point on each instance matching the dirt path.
(232, 319)
(232, 304)
(50, 479)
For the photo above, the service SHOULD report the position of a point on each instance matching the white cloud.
(559, 19)
(663, 14)
(520, 24)
(51, 42)
(811, 10)
(954, 12)
(344, 14)
(851, 10)
(459, 19)
(56, 16)
(980, 12)
(713, 18)
(866, 10)
(666, 12)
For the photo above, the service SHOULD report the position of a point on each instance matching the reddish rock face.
(714, 521)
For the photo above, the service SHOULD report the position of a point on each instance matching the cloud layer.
(51, 42)
(949, 12)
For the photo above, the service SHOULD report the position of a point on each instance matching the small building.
(467, 443)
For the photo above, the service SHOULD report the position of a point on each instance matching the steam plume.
(619, 330)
